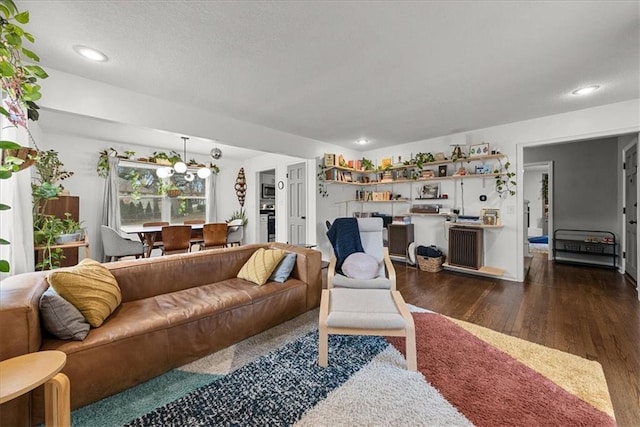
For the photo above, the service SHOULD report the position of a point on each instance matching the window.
(144, 197)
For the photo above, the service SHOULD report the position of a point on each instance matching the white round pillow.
(360, 266)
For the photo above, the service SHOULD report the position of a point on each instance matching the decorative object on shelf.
(367, 164)
(422, 158)
(505, 184)
(482, 170)
(440, 157)
(427, 174)
(457, 154)
(479, 150)
(431, 191)
(241, 187)
(386, 163)
(461, 171)
(442, 170)
(490, 216)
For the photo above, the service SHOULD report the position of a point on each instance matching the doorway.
(538, 209)
(267, 206)
(630, 211)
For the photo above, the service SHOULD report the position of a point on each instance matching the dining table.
(148, 234)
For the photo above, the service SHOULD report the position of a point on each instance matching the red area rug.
(490, 387)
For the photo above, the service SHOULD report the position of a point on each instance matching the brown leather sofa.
(175, 309)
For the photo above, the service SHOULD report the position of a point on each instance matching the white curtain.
(16, 224)
(212, 214)
(110, 201)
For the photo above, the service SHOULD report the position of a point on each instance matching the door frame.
(623, 261)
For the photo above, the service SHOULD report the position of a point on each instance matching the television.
(268, 191)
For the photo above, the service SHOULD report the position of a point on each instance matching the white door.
(631, 210)
(297, 208)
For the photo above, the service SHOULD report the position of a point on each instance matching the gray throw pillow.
(60, 318)
(284, 269)
(360, 266)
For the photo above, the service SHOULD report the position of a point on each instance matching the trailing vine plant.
(322, 181)
(505, 184)
(20, 86)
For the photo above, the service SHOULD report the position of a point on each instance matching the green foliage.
(505, 184)
(422, 158)
(367, 164)
(240, 214)
(323, 189)
(19, 84)
(102, 168)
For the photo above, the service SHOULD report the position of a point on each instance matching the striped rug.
(468, 375)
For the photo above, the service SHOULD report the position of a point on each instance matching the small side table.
(21, 374)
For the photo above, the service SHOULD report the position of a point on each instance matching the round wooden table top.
(22, 374)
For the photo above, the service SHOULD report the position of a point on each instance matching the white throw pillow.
(360, 265)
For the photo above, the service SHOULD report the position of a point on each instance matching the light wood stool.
(365, 312)
(22, 374)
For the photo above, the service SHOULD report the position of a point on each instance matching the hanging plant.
(19, 87)
(323, 189)
(505, 184)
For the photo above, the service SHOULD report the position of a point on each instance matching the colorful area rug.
(468, 375)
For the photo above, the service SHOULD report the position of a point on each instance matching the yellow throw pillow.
(261, 265)
(90, 287)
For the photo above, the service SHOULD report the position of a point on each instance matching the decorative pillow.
(90, 287)
(284, 269)
(261, 265)
(60, 318)
(360, 265)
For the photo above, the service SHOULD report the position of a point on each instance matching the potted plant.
(367, 164)
(240, 214)
(168, 159)
(70, 230)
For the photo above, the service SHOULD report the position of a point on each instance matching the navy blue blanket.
(344, 236)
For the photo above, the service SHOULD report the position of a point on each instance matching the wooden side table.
(22, 374)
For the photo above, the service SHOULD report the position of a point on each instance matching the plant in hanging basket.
(27, 155)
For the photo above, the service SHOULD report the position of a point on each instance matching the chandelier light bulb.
(180, 167)
(189, 177)
(162, 172)
(204, 172)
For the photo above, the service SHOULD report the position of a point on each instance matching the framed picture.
(479, 150)
(431, 191)
(482, 169)
(490, 216)
(442, 170)
(386, 162)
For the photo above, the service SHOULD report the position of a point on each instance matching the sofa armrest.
(20, 331)
(307, 269)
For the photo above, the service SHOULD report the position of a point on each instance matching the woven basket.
(25, 153)
(432, 265)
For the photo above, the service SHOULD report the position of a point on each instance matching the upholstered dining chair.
(235, 232)
(196, 235)
(371, 267)
(157, 241)
(115, 246)
(215, 235)
(176, 239)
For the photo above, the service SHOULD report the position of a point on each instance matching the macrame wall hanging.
(241, 187)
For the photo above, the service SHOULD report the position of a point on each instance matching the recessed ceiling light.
(362, 141)
(585, 90)
(90, 53)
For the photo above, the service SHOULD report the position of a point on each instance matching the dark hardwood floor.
(590, 312)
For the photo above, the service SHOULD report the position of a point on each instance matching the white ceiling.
(391, 72)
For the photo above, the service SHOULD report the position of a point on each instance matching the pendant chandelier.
(181, 167)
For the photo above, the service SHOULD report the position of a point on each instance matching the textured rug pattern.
(468, 376)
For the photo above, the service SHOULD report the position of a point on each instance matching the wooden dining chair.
(215, 235)
(176, 239)
(156, 237)
(196, 235)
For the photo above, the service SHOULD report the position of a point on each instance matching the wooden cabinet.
(400, 235)
(58, 207)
